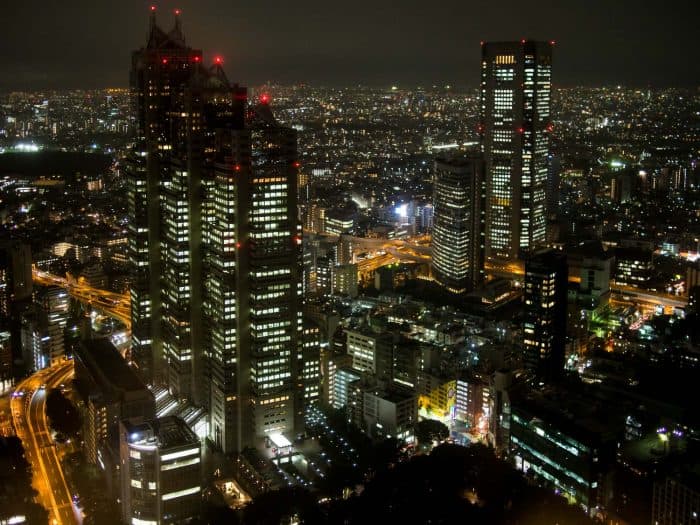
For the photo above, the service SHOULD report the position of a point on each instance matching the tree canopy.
(429, 430)
(62, 414)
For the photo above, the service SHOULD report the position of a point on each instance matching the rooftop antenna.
(178, 22)
(153, 17)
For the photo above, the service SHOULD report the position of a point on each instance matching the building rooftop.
(633, 252)
(392, 396)
(165, 432)
(570, 410)
(587, 249)
(546, 259)
(107, 367)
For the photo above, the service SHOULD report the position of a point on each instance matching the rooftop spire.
(178, 21)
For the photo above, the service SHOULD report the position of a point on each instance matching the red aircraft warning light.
(265, 98)
(218, 60)
(153, 8)
(177, 12)
(297, 164)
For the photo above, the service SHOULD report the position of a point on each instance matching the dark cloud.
(78, 43)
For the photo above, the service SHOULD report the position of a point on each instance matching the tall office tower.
(161, 471)
(161, 194)
(253, 291)
(5, 361)
(515, 127)
(458, 223)
(217, 260)
(544, 316)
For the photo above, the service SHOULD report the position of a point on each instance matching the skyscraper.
(515, 127)
(544, 316)
(216, 299)
(253, 286)
(458, 223)
(161, 196)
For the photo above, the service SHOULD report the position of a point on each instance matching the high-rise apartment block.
(215, 244)
(15, 290)
(42, 328)
(458, 223)
(15, 276)
(5, 360)
(515, 127)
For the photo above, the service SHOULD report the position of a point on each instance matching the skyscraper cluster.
(214, 244)
(505, 218)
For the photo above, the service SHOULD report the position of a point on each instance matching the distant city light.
(27, 147)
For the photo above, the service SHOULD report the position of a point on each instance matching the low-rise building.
(111, 391)
(633, 266)
(561, 439)
(160, 471)
(389, 414)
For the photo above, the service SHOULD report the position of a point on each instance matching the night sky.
(80, 43)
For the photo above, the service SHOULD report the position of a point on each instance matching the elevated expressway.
(31, 425)
(113, 304)
(383, 252)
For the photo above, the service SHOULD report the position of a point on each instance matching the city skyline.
(317, 43)
(293, 304)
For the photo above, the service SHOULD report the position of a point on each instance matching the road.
(32, 428)
(116, 305)
(383, 252)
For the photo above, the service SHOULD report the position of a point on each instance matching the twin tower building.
(214, 245)
(493, 205)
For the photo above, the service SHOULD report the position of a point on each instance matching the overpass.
(632, 294)
(417, 250)
(113, 304)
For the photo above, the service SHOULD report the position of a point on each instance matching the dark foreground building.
(544, 315)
